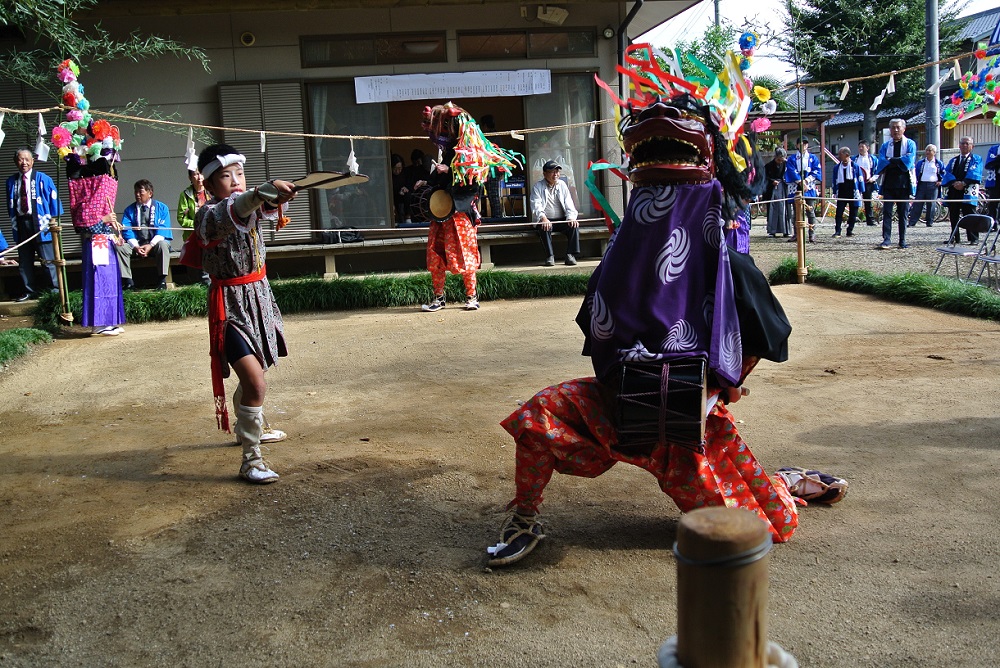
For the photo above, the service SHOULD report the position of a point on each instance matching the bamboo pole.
(722, 561)
(800, 236)
(56, 229)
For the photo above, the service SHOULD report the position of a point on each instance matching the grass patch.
(310, 294)
(937, 292)
(17, 342)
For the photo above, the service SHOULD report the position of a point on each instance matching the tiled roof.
(855, 117)
(977, 25)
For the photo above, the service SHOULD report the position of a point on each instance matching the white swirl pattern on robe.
(731, 353)
(652, 204)
(670, 261)
(638, 353)
(714, 228)
(681, 337)
(602, 325)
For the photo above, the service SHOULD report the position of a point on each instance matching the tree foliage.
(710, 47)
(831, 40)
(52, 33)
(714, 44)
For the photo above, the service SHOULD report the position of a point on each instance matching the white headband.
(222, 161)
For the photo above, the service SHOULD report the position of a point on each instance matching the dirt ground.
(127, 539)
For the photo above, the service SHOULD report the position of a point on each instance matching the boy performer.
(245, 327)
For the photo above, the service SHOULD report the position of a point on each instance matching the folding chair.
(989, 259)
(977, 224)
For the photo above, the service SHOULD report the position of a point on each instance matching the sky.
(695, 20)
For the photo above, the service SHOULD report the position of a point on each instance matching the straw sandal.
(813, 485)
(518, 537)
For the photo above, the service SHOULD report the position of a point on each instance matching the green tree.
(714, 44)
(831, 40)
(709, 49)
(51, 34)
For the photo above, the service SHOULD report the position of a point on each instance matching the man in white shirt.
(32, 203)
(146, 230)
(868, 163)
(551, 201)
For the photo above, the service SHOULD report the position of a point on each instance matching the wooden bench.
(376, 242)
(397, 240)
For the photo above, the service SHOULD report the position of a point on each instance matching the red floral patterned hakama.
(452, 246)
(566, 428)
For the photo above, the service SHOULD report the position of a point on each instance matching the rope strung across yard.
(306, 135)
(14, 248)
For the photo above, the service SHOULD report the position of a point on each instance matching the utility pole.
(932, 102)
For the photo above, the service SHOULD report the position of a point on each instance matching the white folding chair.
(975, 223)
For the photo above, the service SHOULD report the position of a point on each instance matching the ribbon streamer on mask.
(601, 203)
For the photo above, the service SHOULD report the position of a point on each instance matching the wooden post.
(800, 236)
(722, 589)
(66, 316)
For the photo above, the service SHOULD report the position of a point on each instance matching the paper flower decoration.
(61, 137)
(69, 99)
(101, 129)
(760, 124)
(83, 104)
(763, 94)
(948, 125)
(749, 40)
(769, 107)
(63, 152)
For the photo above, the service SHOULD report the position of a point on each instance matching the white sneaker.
(257, 472)
(108, 331)
(472, 303)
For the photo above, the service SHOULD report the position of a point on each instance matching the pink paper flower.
(61, 137)
(760, 124)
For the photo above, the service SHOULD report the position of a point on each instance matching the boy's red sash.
(217, 337)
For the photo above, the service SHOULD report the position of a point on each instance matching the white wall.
(180, 87)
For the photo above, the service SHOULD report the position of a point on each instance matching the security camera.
(247, 39)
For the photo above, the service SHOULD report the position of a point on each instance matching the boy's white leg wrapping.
(249, 429)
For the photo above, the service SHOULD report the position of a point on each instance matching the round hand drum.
(434, 203)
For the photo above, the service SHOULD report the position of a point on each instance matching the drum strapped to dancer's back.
(662, 402)
(432, 203)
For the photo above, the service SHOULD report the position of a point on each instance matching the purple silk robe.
(664, 289)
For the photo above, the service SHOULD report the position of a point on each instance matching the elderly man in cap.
(551, 201)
